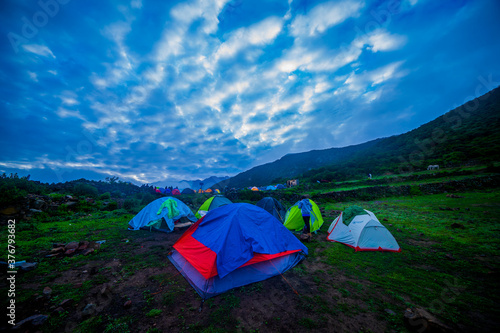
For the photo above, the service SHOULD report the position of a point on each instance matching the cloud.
(259, 34)
(323, 17)
(41, 50)
(191, 89)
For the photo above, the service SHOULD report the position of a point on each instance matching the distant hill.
(207, 183)
(466, 135)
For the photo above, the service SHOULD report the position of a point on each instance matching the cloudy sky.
(152, 90)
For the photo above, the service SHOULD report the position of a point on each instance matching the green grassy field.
(449, 265)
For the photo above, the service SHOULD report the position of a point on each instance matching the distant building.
(292, 182)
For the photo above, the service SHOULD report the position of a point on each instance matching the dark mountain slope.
(467, 134)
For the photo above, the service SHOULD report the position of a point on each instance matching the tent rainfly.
(232, 246)
(364, 233)
(161, 214)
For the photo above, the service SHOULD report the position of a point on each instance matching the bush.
(112, 205)
(130, 204)
(147, 198)
(105, 196)
(85, 190)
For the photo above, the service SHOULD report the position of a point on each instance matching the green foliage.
(85, 190)
(13, 188)
(119, 325)
(112, 205)
(147, 198)
(131, 205)
(105, 196)
(154, 313)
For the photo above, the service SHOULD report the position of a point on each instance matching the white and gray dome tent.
(364, 233)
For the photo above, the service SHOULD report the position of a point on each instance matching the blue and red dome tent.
(232, 246)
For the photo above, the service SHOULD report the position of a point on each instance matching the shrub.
(105, 196)
(112, 205)
(85, 190)
(130, 204)
(147, 198)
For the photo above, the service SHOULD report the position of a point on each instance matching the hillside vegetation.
(466, 135)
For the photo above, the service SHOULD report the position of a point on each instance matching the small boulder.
(66, 303)
(57, 250)
(72, 245)
(89, 310)
(127, 304)
(83, 245)
(420, 320)
(31, 322)
(47, 291)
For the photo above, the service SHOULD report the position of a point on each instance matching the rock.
(59, 309)
(72, 245)
(47, 291)
(66, 303)
(28, 266)
(57, 250)
(419, 320)
(127, 304)
(83, 245)
(87, 251)
(33, 321)
(53, 255)
(105, 289)
(69, 252)
(384, 219)
(89, 310)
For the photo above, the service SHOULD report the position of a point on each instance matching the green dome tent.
(211, 203)
(295, 222)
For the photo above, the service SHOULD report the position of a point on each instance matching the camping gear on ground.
(295, 222)
(364, 231)
(211, 203)
(161, 214)
(232, 246)
(273, 206)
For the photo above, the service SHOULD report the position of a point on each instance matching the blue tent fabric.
(149, 214)
(273, 206)
(237, 278)
(234, 232)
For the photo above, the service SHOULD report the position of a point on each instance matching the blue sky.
(169, 90)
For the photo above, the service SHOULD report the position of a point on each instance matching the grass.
(438, 267)
(448, 265)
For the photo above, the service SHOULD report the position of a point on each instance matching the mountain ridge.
(464, 134)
